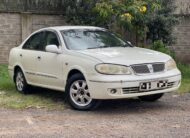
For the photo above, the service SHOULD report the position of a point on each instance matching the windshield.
(80, 39)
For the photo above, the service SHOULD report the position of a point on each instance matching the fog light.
(113, 91)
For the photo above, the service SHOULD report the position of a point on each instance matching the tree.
(148, 19)
(130, 15)
(161, 23)
(81, 12)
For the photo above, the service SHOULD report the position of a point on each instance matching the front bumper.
(128, 86)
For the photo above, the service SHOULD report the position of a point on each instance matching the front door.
(50, 66)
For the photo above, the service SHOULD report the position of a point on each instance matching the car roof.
(59, 28)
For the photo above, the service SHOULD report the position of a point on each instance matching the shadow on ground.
(107, 106)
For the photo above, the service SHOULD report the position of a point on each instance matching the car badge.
(150, 67)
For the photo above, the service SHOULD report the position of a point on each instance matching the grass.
(43, 98)
(185, 70)
(39, 98)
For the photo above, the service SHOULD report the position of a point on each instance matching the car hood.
(126, 55)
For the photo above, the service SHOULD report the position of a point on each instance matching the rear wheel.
(20, 82)
(151, 98)
(78, 93)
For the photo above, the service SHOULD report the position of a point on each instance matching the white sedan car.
(91, 64)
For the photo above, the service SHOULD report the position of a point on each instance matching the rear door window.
(35, 42)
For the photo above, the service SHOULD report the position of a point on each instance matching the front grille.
(141, 69)
(148, 68)
(132, 90)
(158, 67)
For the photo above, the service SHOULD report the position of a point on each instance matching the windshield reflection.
(80, 39)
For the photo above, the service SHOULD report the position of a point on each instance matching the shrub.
(161, 47)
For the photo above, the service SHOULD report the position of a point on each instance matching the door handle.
(39, 57)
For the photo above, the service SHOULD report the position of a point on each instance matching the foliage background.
(140, 21)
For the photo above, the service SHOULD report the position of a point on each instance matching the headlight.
(112, 69)
(170, 64)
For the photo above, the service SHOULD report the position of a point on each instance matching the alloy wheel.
(20, 81)
(79, 93)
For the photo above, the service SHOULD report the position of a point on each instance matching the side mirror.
(53, 49)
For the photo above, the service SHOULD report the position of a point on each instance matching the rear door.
(29, 56)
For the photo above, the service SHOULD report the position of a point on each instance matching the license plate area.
(154, 85)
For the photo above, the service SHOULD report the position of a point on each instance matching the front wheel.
(78, 93)
(151, 98)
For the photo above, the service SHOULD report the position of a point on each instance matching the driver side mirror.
(53, 49)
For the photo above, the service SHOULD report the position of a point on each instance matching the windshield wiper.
(126, 45)
(104, 46)
(92, 47)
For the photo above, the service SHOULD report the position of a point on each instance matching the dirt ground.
(167, 118)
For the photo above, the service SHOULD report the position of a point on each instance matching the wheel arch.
(16, 68)
(73, 72)
(93, 103)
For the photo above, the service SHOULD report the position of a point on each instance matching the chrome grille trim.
(148, 68)
(171, 84)
(132, 90)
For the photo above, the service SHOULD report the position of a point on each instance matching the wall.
(14, 27)
(19, 18)
(182, 7)
(33, 22)
(10, 34)
(182, 31)
(182, 45)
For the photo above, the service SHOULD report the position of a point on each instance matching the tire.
(78, 95)
(20, 82)
(151, 98)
